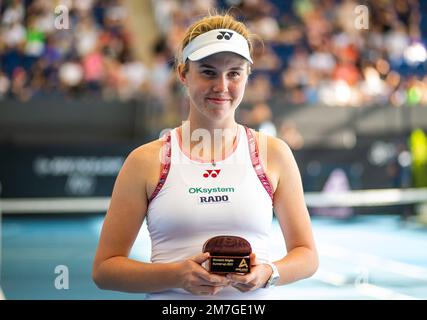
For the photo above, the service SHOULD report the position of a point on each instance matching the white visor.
(214, 41)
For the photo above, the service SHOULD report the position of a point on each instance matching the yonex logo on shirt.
(211, 173)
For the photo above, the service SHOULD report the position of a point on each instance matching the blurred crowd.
(41, 58)
(312, 52)
(315, 52)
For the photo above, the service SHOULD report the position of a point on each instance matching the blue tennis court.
(367, 257)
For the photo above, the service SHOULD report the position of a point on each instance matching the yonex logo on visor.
(214, 41)
(224, 35)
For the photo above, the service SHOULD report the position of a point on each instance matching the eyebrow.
(208, 66)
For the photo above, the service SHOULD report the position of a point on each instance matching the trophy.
(228, 254)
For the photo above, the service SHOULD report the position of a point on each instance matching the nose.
(221, 84)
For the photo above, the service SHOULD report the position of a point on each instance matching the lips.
(218, 100)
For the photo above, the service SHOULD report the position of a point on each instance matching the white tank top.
(197, 200)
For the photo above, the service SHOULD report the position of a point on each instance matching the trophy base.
(227, 264)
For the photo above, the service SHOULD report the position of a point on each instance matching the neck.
(210, 143)
(212, 128)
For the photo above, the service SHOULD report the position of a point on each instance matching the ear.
(182, 74)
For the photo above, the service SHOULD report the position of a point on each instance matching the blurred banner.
(49, 171)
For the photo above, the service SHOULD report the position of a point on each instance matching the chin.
(219, 111)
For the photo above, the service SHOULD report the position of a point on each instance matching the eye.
(234, 74)
(208, 73)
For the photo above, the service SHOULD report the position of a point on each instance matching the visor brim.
(216, 48)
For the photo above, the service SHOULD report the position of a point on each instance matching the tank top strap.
(256, 162)
(166, 154)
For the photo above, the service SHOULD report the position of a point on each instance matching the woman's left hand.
(257, 278)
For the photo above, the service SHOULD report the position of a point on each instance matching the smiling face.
(216, 85)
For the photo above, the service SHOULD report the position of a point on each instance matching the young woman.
(209, 177)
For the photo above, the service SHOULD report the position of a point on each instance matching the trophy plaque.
(228, 254)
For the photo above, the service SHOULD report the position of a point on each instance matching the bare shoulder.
(145, 164)
(276, 157)
(148, 153)
(274, 150)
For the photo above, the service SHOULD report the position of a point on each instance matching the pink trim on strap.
(256, 163)
(165, 165)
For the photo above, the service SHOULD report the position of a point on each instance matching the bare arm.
(113, 269)
(301, 260)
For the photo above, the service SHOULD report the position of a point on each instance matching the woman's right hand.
(197, 280)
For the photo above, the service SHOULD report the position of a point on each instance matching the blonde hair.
(208, 23)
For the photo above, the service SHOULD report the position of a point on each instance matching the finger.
(242, 287)
(243, 279)
(206, 282)
(200, 258)
(208, 290)
(254, 260)
(213, 279)
(217, 289)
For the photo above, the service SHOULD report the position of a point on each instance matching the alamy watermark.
(201, 143)
(62, 19)
(361, 22)
(62, 281)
